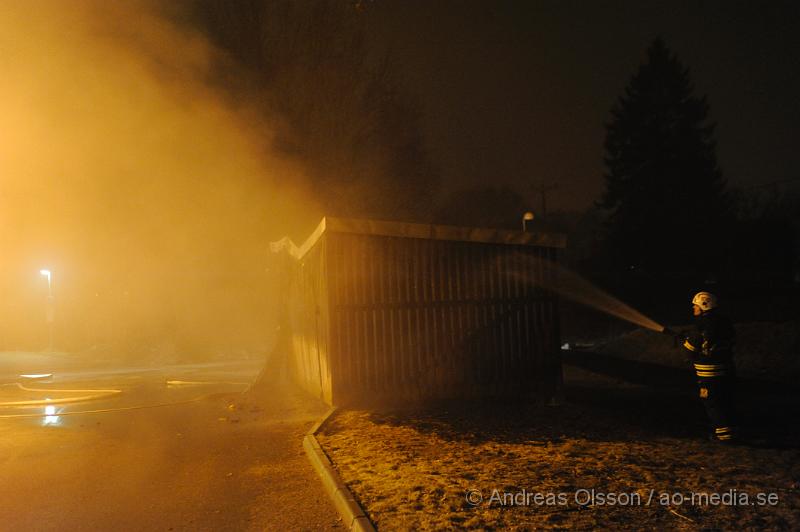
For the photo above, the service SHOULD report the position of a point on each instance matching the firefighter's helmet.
(705, 300)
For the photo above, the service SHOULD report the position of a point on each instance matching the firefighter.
(711, 352)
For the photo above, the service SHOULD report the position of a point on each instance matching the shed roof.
(424, 231)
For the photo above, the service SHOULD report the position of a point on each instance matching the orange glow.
(150, 196)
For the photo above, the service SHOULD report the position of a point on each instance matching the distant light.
(50, 417)
(565, 347)
(46, 273)
(36, 375)
(527, 217)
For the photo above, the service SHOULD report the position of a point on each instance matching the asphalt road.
(177, 448)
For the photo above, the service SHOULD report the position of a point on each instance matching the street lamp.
(527, 217)
(50, 310)
(47, 274)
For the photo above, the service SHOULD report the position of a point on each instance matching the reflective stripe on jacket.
(711, 370)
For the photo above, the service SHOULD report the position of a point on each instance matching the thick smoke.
(150, 198)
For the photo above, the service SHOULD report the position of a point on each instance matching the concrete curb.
(352, 514)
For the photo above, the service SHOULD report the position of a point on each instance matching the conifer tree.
(665, 194)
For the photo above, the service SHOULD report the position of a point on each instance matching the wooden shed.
(388, 312)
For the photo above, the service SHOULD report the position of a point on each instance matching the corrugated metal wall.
(378, 316)
(416, 319)
(310, 323)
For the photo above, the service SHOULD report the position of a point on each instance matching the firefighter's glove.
(677, 338)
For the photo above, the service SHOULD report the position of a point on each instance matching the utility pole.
(543, 189)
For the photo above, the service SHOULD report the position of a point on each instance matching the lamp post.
(49, 310)
(47, 274)
(527, 217)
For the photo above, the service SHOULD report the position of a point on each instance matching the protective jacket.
(711, 347)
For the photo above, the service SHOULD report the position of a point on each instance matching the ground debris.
(620, 459)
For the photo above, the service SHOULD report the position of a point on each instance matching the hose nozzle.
(669, 332)
(677, 338)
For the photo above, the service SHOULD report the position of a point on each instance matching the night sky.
(517, 92)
